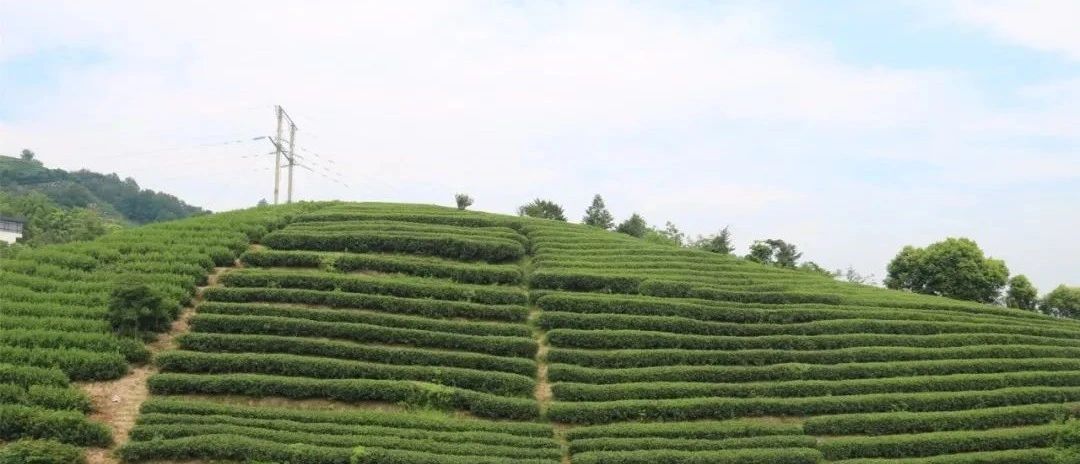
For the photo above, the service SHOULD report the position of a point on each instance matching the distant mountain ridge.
(120, 199)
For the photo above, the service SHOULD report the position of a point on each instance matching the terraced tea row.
(54, 326)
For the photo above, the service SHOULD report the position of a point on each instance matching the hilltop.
(351, 333)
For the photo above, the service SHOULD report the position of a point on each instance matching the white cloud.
(1046, 25)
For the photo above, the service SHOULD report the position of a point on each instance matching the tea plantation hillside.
(389, 333)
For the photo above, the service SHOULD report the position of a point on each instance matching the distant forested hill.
(62, 206)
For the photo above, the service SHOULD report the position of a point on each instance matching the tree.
(786, 253)
(1021, 294)
(634, 226)
(719, 243)
(26, 155)
(262, 203)
(1063, 301)
(597, 215)
(760, 252)
(669, 235)
(463, 201)
(953, 268)
(775, 252)
(543, 209)
(135, 308)
(811, 266)
(853, 276)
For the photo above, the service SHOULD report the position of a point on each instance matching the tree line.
(953, 268)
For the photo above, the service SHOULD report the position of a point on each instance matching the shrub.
(348, 390)
(41, 452)
(137, 308)
(463, 201)
(747, 456)
(417, 306)
(347, 350)
(498, 383)
(930, 444)
(65, 426)
(890, 423)
(489, 344)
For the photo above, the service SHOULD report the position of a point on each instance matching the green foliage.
(41, 452)
(543, 209)
(937, 443)
(488, 344)
(775, 252)
(49, 223)
(415, 306)
(669, 235)
(892, 423)
(443, 245)
(72, 427)
(1062, 302)
(118, 200)
(634, 226)
(811, 266)
(406, 287)
(597, 214)
(1022, 294)
(719, 243)
(953, 268)
(463, 201)
(137, 308)
(347, 390)
(743, 456)
(497, 383)
(399, 355)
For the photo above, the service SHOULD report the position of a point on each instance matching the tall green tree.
(634, 226)
(543, 209)
(775, 252)
(597, 214)
(1021, 294)
(719, 243)
(1063, 301)
(954, 268)
(669, 235)
(463, 201)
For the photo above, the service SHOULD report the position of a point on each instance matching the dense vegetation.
(61, 206)
(387, 333)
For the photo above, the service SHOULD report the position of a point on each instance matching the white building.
(10, 229)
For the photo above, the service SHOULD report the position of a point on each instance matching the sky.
(849, 128)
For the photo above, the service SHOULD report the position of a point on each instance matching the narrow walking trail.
(117, 402)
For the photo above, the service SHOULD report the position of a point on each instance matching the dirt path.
(117, 402)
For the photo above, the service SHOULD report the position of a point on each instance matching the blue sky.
(850, 128)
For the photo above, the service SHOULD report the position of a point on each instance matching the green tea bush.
(728, 408)
(184, 422)
(135, 309)
(890, 423)
(345, 417)
(41, 452)
(684, 444)
(406, 287)
(171, 431)
(347, 390)
(628, 358)
(745, 456)
(936, 443)
(235, 343)
(498, 383)
(416, 306)
(488, 344)
(804, 388)
(368, 317)
(494, 250)
(71, 427)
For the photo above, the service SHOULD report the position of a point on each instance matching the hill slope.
(121, 199)
(370, 332)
